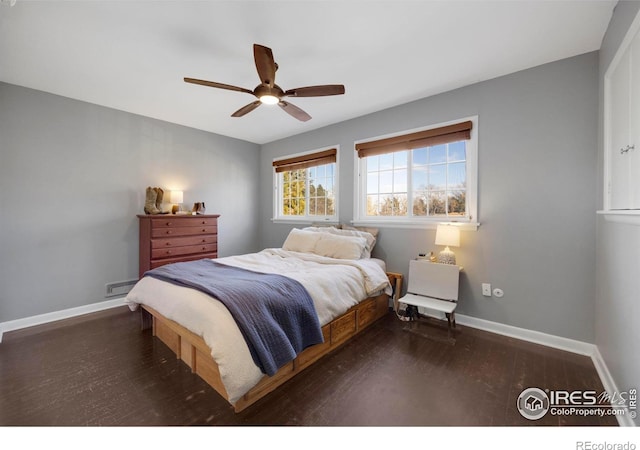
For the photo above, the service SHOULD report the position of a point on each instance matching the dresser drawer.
(183, 231)
(181, 241)
(161, 262)
(187, 221)
(185, 250)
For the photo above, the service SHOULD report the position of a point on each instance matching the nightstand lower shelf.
(445, 306)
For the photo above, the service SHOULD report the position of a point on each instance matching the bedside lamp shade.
(447, 235)
(177, 197)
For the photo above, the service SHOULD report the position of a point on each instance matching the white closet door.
(619, 162)
(634, 126)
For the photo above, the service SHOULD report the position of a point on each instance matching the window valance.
(306, 161)
(435, 136)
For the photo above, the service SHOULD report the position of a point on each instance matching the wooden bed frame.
(192, 349)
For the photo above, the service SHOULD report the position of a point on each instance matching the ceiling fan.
(268, 92)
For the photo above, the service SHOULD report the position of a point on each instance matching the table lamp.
(447, 235)
(177, 197)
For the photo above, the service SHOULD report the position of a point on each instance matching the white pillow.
(370, 238)
(301, 241)
(340, 247)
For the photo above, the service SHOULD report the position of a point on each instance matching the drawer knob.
(168, 224)
(203, 230)
(204, 222)
(168, 252)
(168, 231)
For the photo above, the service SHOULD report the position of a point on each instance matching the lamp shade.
(448, 235)
(177, 197)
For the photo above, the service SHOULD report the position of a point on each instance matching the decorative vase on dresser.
(175, 238)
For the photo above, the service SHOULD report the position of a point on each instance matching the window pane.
(393, 205)
(457, 175)
(438, 154)
(420, 204)
(372, 183)
(400, 180)
(420, 179)
(420, 156)
(373, 163)
(320, 171)
(386, 161)
(400, 159)
(457, 203)
(331, 209)
(386, 181)
(312, 205)
(329, 185)
(437, 203)
(457, 151)
(330, 170)
(438, 176)
(400, 205)
(372, 205)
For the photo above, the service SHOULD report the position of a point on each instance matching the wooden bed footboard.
(192, 349)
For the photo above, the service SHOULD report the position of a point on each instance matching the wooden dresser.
(166, 239)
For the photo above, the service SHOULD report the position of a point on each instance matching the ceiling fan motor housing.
(266, 90)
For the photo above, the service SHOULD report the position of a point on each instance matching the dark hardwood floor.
(101, 370)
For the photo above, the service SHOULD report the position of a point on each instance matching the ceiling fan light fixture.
(269, 99)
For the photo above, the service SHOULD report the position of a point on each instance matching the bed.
(348, 288)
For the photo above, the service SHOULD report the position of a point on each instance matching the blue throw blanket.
(274, 313)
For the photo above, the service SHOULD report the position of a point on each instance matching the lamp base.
(446, 256)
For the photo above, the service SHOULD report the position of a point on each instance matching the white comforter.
(335, 285)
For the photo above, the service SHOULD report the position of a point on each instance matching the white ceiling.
(133, 55)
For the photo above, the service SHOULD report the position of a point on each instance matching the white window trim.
(334, 220)
(361, 219)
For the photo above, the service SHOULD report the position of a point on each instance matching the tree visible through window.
(308, 189)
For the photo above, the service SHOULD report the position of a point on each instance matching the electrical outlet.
(486, 289)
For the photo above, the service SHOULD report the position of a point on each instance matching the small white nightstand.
(434, 286)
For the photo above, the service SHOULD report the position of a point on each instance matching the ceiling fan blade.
(217, 85)
(316, 91)
(246, 109)
(265, 64)
(294, 111)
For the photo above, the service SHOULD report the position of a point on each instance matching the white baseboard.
(58, 315)
(537, 337)
(610, 385)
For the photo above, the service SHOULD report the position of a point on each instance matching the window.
(419, 178)
(305, 187)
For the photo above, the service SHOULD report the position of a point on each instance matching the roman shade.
(305, 161)
(435, 136)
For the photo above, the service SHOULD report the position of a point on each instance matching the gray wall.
(618, 251)
(72, 179)
(537, 193)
